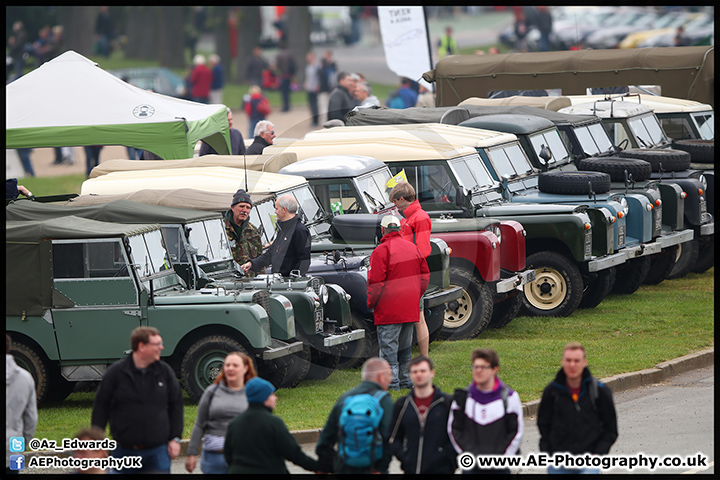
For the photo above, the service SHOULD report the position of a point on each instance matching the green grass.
(44, 186)
(623, 334)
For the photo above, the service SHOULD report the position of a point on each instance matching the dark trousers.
(285, 92)
(314, 110)
(92, 157)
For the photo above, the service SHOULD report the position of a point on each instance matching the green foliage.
(623, 334)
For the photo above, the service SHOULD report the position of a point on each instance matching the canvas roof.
(71, 101)
(217, 179)
(121, 211)
(260, 163)
(682, 72)
(179, 197)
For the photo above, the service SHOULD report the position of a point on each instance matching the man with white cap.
(258, 441)
(397, 277)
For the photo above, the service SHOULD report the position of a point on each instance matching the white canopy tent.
(71, 101)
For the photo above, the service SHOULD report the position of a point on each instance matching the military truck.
(198, 247)
(77, 287)
(337, 263)
(453, 180)
(634, 128)
(681, 72)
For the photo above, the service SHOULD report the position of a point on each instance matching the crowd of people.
(235, 430)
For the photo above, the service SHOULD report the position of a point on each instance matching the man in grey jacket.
(20, 408)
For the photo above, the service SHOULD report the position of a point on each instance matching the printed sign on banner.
(405, 39)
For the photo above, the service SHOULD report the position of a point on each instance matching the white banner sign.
(405, 38)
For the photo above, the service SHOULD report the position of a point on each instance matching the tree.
(142, 33)
(78, 28)
(171, 49)
(298, 34)
(249, 28)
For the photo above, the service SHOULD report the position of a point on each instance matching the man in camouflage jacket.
(243, 236)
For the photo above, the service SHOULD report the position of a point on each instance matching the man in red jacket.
(397, 278)
(200, 80)
(415, 228)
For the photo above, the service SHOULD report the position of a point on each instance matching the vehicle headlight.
(496, 231)
(324, 294)
(624, 204)
(704, 182)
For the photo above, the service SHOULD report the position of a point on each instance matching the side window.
(68, 260)
(174, 244)
(677, 128)
(89, 260)
(433, 184)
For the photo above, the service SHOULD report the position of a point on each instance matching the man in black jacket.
(264, 136)
(576, 413)
(419, 437)
(341, 99)
(291, 248)
(142, 399)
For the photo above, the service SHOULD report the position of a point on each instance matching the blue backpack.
(360, 442)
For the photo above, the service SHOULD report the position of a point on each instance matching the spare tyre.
(671, 160)
(701, 151)
(616, 167)
(573, 183)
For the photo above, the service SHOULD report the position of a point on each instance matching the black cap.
(241, 196)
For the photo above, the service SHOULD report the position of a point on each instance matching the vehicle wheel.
(685, 258)
(599, 288)
(616, 167)
(38, 366)
(557, 289)
(505, 311)
(706, 255)
(299, 369)
(573, 183)
(360, 350)
(469, 315)
(203, 362)
(631, 275)
(661, 264)
(671, 160)
(322, 364)
(701, 151)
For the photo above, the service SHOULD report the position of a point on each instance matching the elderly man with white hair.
(363, 94)
(290, 251)
(264, 135)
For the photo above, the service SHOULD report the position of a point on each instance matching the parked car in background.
(158, 79)
(666, 24)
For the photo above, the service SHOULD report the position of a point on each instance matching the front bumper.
(676, 238)
(281, 350)
(606, 262)
(441, 297)
(515, 281)
(707, 229)
(333, 340)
